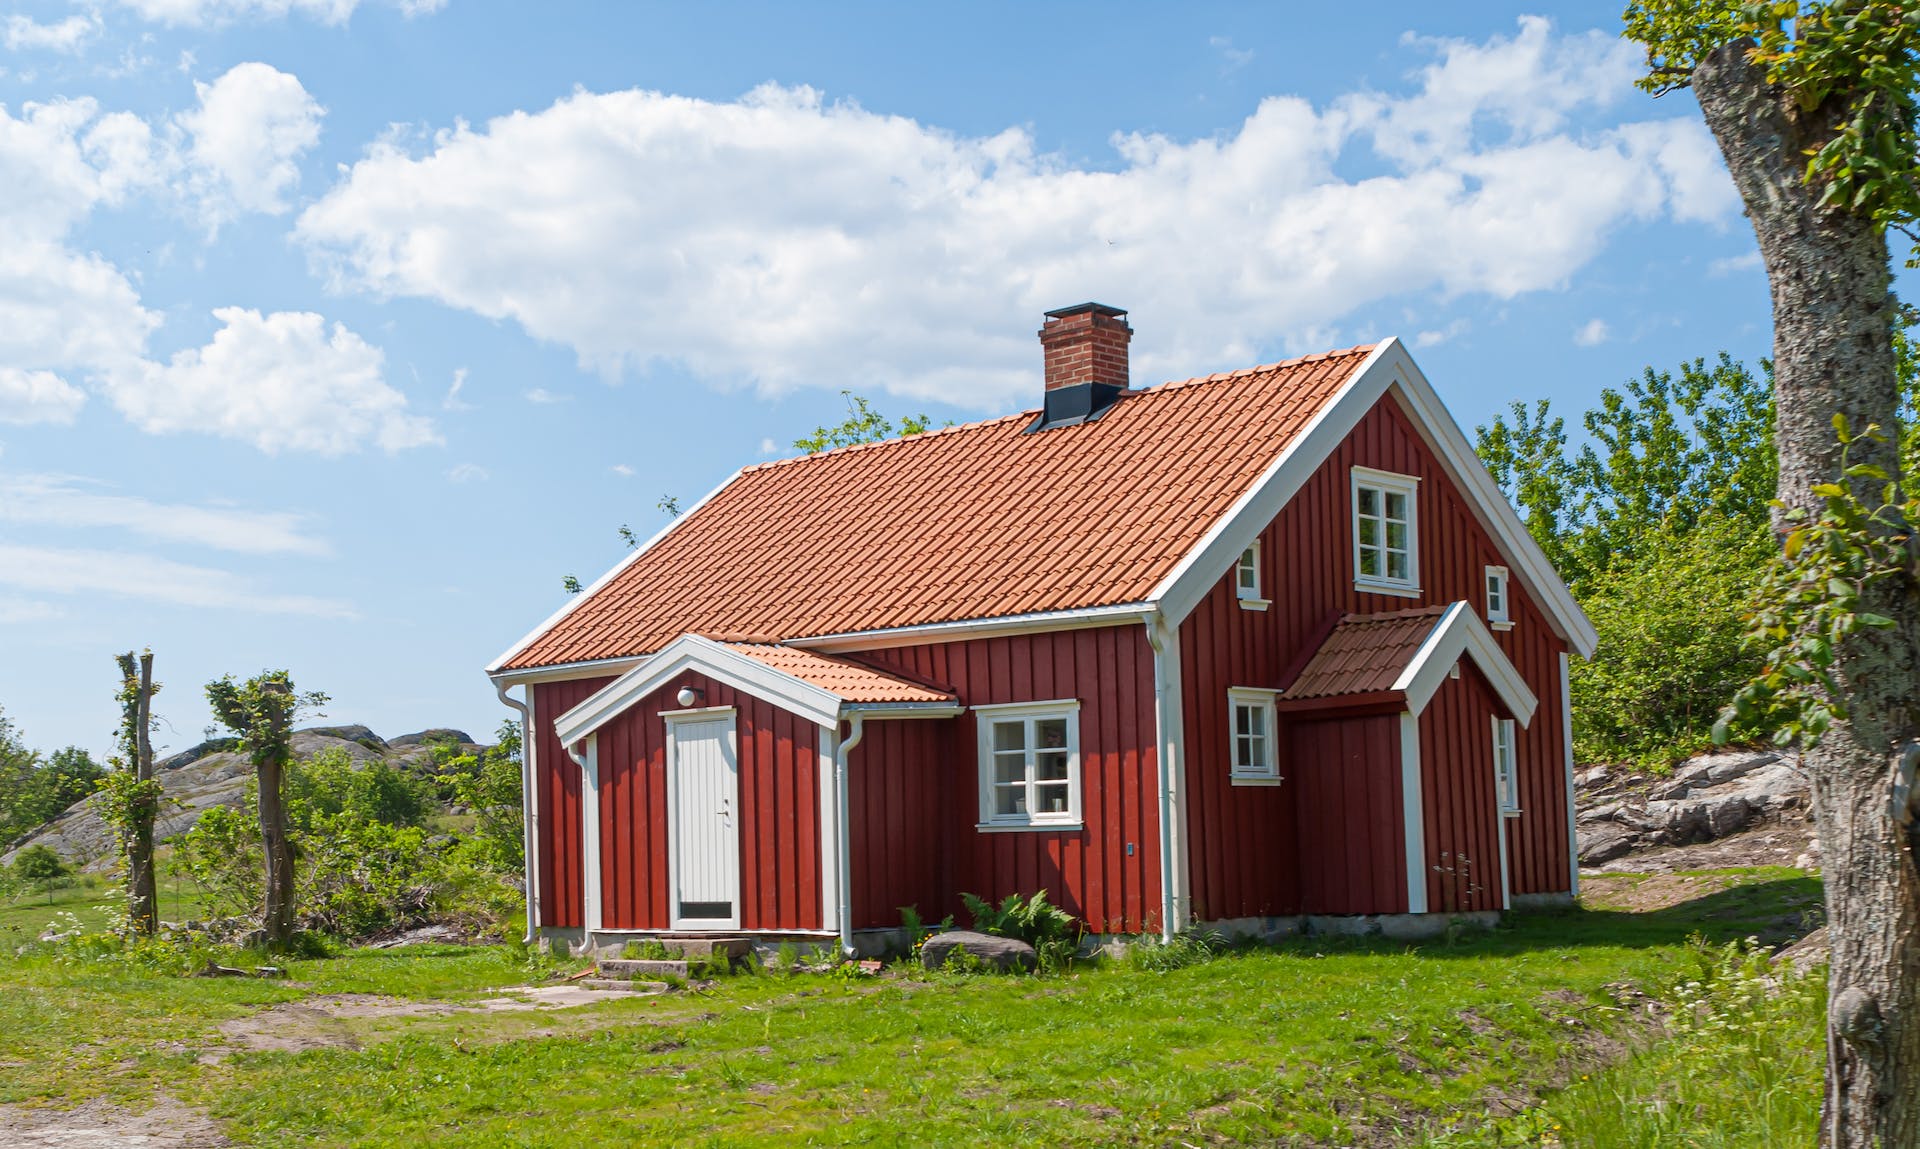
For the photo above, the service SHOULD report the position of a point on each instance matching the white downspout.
(529, 809)
(842, 831)
(1164, 702)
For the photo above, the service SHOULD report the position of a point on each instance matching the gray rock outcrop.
(1706, 799)
(995, 952)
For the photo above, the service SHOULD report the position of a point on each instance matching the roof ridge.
(1028, 413)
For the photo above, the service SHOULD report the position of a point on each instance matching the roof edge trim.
(1076, 619)
(633, 556)
(1460, 632)
(691, 652)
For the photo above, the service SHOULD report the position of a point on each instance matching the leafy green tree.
(130, 796)
(40, 867)
(489, 785)
(862, 425)
(1816, 110)
(261, 712)
(35, 789)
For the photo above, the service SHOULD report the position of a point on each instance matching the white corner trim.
(1566, 739)
(1413, 813)
(590, 828)
(1229, 537)
(829, 884)
(573, 602)
(1459, 632)
(716, 661)
(1169, 719)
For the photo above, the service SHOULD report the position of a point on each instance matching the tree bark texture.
(143, 906)
(1833, 316)
(277, 916)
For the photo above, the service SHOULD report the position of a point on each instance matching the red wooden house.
(1252, 649)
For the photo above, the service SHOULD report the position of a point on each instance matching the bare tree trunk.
(1833, 325)
(277, 915)
(143, 908)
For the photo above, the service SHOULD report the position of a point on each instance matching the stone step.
(624, 985)
(637, 967)
(707, 945)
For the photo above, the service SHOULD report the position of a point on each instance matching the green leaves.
(863, 425)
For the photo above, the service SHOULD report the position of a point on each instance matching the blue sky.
(334, 334)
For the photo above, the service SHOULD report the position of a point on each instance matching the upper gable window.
(1246, 579)
(1030, 765)
(1497, 602)
(1386, 531)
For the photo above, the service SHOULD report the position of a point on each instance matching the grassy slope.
(1317, 1040)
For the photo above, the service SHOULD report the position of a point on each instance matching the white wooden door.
(703, 781)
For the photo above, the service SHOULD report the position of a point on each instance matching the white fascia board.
(1188, 583)
(1076, 619)
(692, 652)
(574, 603)
(1490, 505)
(880, 711)
(1459, 632)
(560, 672)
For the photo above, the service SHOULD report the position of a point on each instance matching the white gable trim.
(1459, 632)
(1388, 368)
(633, 556)
(691, 652)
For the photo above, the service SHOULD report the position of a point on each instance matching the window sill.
(1393, 588)
(1500, 624)
(1029, 827)
(1255, 603)
(1511, 813)
(1240, 781)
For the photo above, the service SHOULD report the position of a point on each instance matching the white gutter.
(529, 808)
(856, 729)
(1166, 712)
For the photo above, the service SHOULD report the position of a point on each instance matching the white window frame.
(1506, 766)
(1247, 564)
(1265, 773)
(1501, 616)
(1029, 713)
(1386, 483)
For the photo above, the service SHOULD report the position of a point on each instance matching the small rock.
(1593, 777)
(1604, 842)
(1602, 813)
(997, 952)
(214, 969)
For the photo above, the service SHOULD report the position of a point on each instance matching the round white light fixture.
(688, 695)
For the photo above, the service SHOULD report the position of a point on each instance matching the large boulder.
(995, 952)
(1622, 815)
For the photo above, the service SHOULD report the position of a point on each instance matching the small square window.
(1506, 771)
(1250, 719)
(1246, 573)
(1497, 594)
(1029, 764)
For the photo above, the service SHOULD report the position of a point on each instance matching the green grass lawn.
(92, 900)
(1317, 1041)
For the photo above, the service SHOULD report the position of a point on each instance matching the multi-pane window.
(1506, 774)
(1250, 720)
(1385, 534)
(1246, 573)
(1030, 764)
(1497, 595)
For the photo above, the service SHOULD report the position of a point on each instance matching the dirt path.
(167, 1124)
(348, 1020)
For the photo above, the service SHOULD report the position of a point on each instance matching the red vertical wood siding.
(1241, 862)
(1350, 838)
(557, 782)
(1459, 802)
(1108, 873)
(897, 807)
(778, 815)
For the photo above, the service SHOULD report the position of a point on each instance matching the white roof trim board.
(1459, 632)
(1387, 369)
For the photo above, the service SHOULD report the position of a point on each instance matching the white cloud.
(65, 501)
(1592, 333)
(22, 33)
(37, 397)
(453, 402)
(246, 138)
(1437, 336)
(544, 396)
(282, 382)
(214, 12)
(1233, 59)
(769, 447)
(622, 470)
(1736, 263)
(467, 473)
(124, 574)
(636, 228)
(18, 610)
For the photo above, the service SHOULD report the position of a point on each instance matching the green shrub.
(1051, 931)
(40, 866)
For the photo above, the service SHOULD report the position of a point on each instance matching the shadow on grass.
(1775, 910)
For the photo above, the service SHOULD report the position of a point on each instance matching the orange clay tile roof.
(1365, 653)
(851, 681)
(971, 522)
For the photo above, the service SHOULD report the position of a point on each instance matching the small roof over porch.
(1402, 657)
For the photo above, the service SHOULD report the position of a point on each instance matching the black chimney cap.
(1080, 308)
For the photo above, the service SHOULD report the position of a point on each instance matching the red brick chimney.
(1086, 344)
